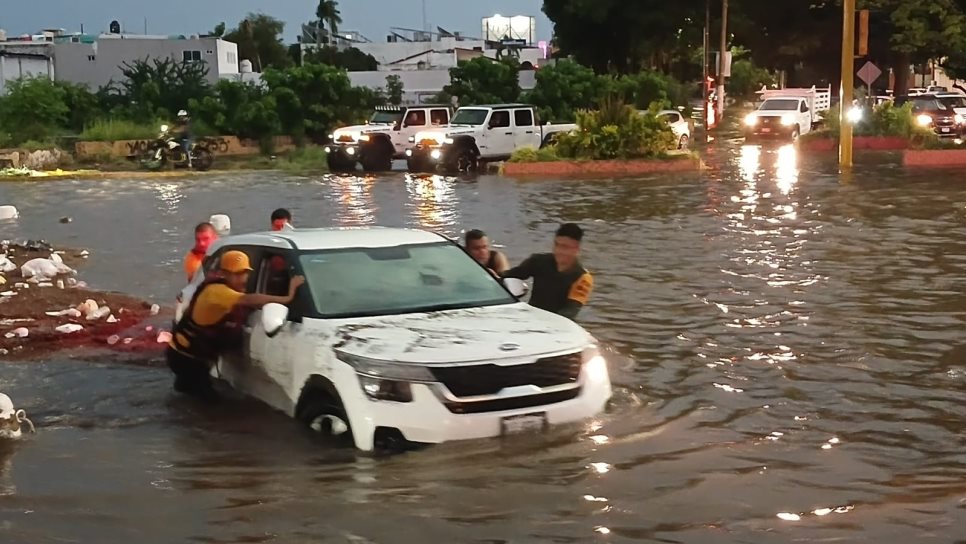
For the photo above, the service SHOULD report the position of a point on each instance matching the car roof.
(498, 106)
(333, 238)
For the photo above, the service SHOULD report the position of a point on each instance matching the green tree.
(394, 90)
(219, 30)
(259, 39)
(243, 109)
(484, 81)
(33, 109)
(312, 99)
(329, 15)
(158, 88)
(83, 106)
(564, 88)
(747, 78)
(350, 58)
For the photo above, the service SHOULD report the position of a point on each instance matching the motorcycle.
(167, 149)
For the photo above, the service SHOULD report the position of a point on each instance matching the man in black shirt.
(560, 283)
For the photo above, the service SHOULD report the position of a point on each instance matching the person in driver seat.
(212, 323)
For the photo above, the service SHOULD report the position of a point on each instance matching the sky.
(371, 17)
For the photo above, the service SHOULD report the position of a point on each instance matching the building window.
(232, 58)
(192, 56)
(91, 58)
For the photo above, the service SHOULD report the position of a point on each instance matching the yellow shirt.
(214, 303)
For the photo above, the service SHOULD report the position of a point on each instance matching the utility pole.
(721, 58)
(848, 83)
(706, 69)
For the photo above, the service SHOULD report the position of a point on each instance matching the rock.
(70, 312)
(56, 258)
(65, 220)
(3, 280)
(128, 340)
(222, 223)
(4, 351)
(88, 307)
(6, 265)
(85, 254)
(112, 319)
(44, 268)
(21, 285)
(155, 309)
(69, 328)
(8, 294)
(8, 212)
(99, 313)
(113, 339)
(45, 284)
(60, 284)
(21, 332)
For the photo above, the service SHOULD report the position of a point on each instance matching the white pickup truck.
(384, 137)
(479, 134)
(788, 113)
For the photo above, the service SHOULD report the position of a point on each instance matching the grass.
(112, 130)
(308, 159)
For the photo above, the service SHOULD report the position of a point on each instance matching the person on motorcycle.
(182, 128)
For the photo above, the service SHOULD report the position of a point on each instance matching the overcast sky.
(371, 17)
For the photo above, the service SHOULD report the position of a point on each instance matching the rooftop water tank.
(245, 66)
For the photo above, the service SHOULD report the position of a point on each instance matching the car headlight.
(449, 141)
(751, 120)
(389, 390)
(788, 120)
(595, 366)
(924, 120)
(435, 154)
(386, 370)
(350, 151)
(363, 138)
(959, 119)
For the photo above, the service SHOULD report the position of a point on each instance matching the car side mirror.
(517, 288)
(274, 317)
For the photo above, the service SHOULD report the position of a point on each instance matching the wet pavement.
(790, 369)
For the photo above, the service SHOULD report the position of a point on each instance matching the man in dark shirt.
(560, 283)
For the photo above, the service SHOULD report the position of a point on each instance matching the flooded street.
(788, 352)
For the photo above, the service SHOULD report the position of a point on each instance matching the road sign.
(869, 73)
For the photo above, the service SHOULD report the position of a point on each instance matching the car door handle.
(508, 133)
(529, 132)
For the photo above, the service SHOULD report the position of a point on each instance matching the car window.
(779, 104)
(804, 108)
(274, 273)
(439, 117)
(416, 118)
(670, 117)
(500, 119)
(365, 282)
(523, 118)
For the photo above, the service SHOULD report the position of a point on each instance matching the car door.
(499, 135)
(414, 121)
(805, 118)
(269, 361)
(525, 132)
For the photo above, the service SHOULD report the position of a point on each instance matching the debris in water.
(69, 328)
(8, 212)
(111, 319)
(99, 313)
(113, 339)
(65, 220)
(21, 332)
(164, 337)
(155, 309)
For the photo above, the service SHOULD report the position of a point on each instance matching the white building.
(23, 59)
(422, 86)
(99, 61)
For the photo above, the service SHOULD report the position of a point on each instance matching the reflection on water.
(789, 369)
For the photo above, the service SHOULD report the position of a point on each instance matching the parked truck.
(383, 138)
(788, 113)
(477, 135)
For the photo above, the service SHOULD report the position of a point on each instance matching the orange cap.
(234, 262)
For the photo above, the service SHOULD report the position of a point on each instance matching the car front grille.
(489, 379)
(512, 403)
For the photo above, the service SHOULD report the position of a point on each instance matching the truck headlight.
(924, 120)
(959, 119)
(449, 141)
(435, 154)
(854, 115)
(363, 138)
(751, 120)
(788, 120)
(595, 366)
(350, 151)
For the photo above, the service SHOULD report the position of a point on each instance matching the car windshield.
(779, 104)
(386, 117)
(953, 101)
(369, 282)
(925, 104)
(470, 116)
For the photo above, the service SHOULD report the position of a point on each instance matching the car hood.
(378, 127)
(513, 331)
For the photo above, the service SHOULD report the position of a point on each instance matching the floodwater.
(788, 353)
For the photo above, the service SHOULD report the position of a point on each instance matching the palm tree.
(328, 15)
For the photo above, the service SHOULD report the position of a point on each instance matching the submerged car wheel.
(324, 414)
(338, 164)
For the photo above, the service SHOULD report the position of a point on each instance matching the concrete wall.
(220, 146)
(19, 60)
(97, 64)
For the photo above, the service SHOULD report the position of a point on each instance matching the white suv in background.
(400, 337)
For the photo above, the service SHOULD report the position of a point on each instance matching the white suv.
(400, 337)
(383, 138)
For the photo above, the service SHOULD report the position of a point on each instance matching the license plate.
(523, 424)
(945, 130)
(764, 130)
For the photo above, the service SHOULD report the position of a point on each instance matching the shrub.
(33, 109)
(617, 131)
(112, 130)
(524, 154)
